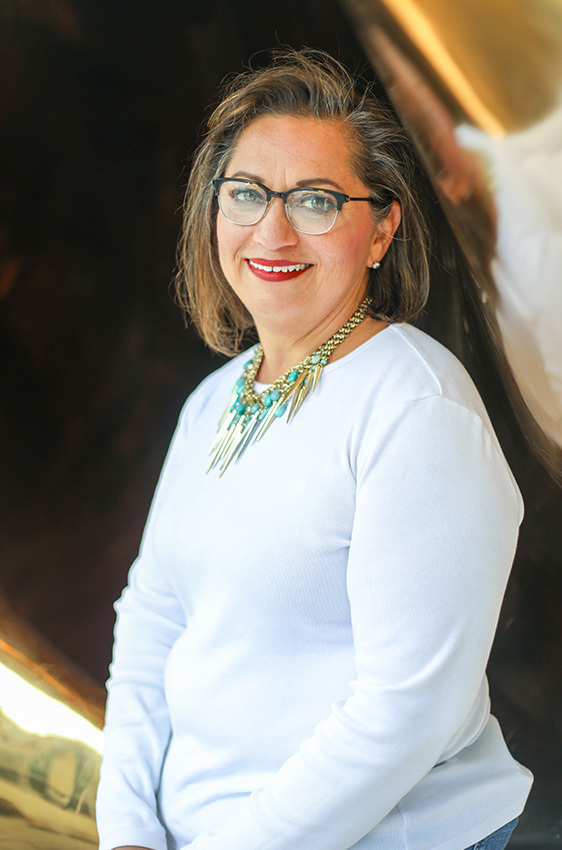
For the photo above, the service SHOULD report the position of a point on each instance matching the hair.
(305, 83)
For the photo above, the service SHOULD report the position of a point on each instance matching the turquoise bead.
(323, 361)
(248, 364)
(267, 400)
(274, 396)
(240, 407)
(281, 409)
(254, 408)
(293, 376)
(315, 358)
(262, 415)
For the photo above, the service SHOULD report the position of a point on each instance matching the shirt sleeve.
(435, 531)
(137, 726)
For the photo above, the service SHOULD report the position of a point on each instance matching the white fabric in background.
(525, 171)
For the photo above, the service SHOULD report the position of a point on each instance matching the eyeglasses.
(311, 211)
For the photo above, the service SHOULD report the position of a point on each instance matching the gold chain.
(319, 357)
(249, 414)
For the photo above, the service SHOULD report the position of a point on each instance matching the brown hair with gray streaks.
(307, 83)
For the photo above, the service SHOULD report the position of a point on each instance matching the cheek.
(351, 250)
(222, 240)
(228, 240)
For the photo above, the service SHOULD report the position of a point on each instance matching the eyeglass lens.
(309, 211)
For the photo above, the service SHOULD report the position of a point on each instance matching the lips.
(276, 269)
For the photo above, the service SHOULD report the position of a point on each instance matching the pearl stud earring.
(375, 265)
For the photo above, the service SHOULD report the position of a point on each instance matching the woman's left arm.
(434, 535)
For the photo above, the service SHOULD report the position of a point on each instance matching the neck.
(281, 353)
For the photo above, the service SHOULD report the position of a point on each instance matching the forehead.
(294, 147)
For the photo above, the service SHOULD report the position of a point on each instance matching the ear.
(384, 234)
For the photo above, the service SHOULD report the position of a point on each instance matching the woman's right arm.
(150, 619)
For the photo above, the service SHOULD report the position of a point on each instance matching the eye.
(247, 195)
(316, 202)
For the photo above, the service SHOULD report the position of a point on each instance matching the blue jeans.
(497, 840)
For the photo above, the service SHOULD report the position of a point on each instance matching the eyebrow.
(312, 183)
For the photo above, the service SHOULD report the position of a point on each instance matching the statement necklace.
(249, 414)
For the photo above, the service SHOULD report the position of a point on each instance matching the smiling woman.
(300, 652)
(294, 311)
(353, 137)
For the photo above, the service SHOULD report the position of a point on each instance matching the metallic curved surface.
(50, 752)
(479, 87)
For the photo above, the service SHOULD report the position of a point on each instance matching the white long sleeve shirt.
(301, 649)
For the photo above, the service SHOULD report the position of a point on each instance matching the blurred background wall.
(101, 103)
(99, 111)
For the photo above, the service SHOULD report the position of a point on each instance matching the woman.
(300, 652)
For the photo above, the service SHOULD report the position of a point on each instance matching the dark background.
(99, 108)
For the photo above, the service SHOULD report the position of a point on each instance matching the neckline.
(351, 355)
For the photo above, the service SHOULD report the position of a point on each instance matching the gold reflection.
(422, 30)
(478, 85)
(50, 746)
(499, 62)
(40, 714)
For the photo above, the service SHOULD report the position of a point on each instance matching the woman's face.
(283, 152)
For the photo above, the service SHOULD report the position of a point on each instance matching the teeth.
(296, 268)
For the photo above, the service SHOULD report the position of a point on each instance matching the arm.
(149, 621)
(434, 535)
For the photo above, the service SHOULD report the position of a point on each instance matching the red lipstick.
(276, 270)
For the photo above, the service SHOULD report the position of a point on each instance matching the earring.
(375, 265)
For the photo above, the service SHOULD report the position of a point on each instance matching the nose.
(274, 230)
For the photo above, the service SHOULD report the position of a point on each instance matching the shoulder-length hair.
(307, 83)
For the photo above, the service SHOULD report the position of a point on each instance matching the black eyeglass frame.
(340, 197)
